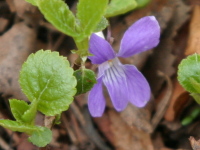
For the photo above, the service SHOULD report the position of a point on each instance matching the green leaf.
(47, 78)
(196, 97)
(22, 111)
(189, 73)
(85, 80)
(193, 115)
(142, 3)
(57, 119)
(18, 107)
(33, 2)
(81, 53)
(117, 7)
(101, 25)
(29, 115)
(187, 120)
(59, 15)
(195, 112)
(41, 138)
(89, 14)
(18, 126)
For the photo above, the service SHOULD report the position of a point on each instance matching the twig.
(58, 42)
(163, 105)
(78, 114)
(86, 123)
(69, 130)
(4, 145)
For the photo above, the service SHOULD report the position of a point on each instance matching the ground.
(23, 30)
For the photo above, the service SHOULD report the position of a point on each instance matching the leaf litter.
(133, 128)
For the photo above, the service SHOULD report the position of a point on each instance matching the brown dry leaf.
(193, 45)
(172, 149)
(166, 149)
(137, 117)
(15, 46)
(193, 2)
(180, 97)
(162, 58)
(177, 102)
(55, 136)
(159, 145)
(158, 141)
(25, 144)
(195, 144)
(121, 136)
(20, 7)
(11, 5)
(3, 24)
(4, 145)
(49, 121)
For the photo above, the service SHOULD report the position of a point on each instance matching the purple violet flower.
(123, 82)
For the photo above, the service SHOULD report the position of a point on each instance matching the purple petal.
(141, 36)
(115, 81)
(139, 90)
(102, 68)
(96, 100)
(101, 50)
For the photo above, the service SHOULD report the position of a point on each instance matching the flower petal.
(101, 50)
(141, 36)
(102, 68)
(96, 100)
(115, 81)
(139, 90)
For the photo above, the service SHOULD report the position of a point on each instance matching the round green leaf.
(47, 78)
(42, 137)
(189, 73)
(85, 80)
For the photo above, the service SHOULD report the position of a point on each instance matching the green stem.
(82, 51)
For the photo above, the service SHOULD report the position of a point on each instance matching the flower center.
(110, 62)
